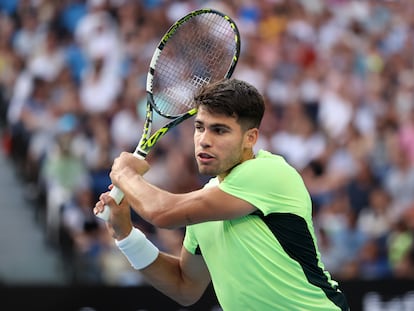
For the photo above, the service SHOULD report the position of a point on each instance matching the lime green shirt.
(267, 260)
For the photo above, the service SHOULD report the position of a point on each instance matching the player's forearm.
(157, 206)
(161, 270)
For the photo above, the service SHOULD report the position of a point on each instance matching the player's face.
(220, 143)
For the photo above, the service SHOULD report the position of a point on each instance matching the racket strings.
(199, 52)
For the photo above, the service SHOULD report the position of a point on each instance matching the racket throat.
(140, 154)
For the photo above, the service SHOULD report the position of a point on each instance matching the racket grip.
(117, 195)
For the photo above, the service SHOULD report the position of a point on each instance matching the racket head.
(200, 48)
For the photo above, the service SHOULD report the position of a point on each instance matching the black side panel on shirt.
(293, 235)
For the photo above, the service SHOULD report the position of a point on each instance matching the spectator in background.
(32, 132)
(62, 171)
(360, 186)
(405, 268)
(384, 139)
(97, 34)
(125, 123)
(300, 141)
(30, 34)
(399, 181)
(82, 237)
(335, 107)
(344, 247)
(400, 243)
(9, 65)
(98, 151)
(48, 58)
(406, 135)
(375, 219)
(372, 261)
(99, 87)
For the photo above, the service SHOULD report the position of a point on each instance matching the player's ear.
(251, 137)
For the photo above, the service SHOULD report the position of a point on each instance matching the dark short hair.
(233, 98)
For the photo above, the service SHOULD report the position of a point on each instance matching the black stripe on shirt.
(293, 235)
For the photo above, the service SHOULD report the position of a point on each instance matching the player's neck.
(247, 155)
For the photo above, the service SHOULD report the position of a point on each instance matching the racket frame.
(147, 140)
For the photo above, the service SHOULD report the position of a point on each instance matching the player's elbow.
(189, 298)
(187, 302)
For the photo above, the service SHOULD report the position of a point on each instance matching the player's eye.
(198, 128)
(220, 130)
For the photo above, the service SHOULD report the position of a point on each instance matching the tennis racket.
(200, 48)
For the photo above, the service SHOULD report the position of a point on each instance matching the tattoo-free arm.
(168, 210)
(183, 279)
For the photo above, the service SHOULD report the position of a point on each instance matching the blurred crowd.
(337, 77)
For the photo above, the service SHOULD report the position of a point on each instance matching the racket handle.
(117, 195)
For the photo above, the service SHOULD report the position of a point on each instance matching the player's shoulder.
(267, 159)
(267, 155)
(269, 164)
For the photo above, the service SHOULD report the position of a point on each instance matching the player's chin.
(205, 169)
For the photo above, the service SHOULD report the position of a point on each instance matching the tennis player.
(248, 230)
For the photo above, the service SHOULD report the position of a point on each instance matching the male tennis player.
(249, 230)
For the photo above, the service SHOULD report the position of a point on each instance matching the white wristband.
(139, 251)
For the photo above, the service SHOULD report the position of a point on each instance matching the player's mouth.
(205, 157)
